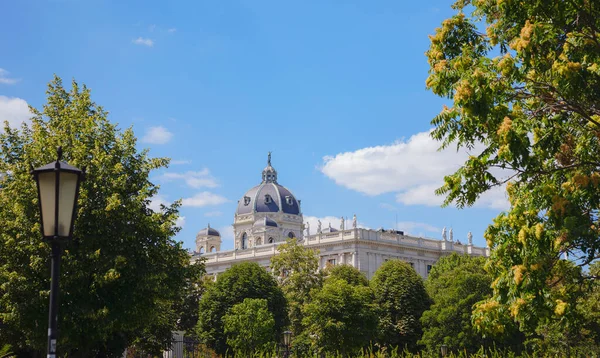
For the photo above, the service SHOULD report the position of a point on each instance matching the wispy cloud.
(193, 179)
(5, 79)
(171, 30)
(416, 228)
(227, 234)
(180, 221)
(211, 214)
(143, 41)
(387, 206)
(203, 199)
(157, 135)
(334, 221)
(180, 162)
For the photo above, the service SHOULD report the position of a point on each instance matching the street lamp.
(58, 188)
(444, 350)
(287, 335)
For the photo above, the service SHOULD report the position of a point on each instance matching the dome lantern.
(269, 174)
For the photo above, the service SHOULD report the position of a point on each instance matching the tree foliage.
(123, 275)
(340, 317)
(348, 273)
(525, 98)
(297, 269)
(240, 281)
(401, 299)
(455, 284)
(193, 290)
(249, 326)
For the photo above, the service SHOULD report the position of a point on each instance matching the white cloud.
(194, 179)
(226, 234)
(180, 221)
(204, 198)
(14, 110)
(171, 30)
(5, 80)
(416, 228)
(412, 169)
(156, 201)
(326, 220)
(143, 41)
(211, 214)
(157, 135)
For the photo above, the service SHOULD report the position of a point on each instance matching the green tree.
(401, 299)
(249, 326)
(340, 317)
(193, 289)
(297, 270)
(348, 273)
(123, 275)
(455, 284)
(588, 305)
(525, 100)
(240, 281)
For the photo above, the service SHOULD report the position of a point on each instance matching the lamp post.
(58, 189)
(444, 350)
(287, 335)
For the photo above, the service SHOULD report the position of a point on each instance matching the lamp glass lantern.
(287, 335)
(58, 188)
(444, 350)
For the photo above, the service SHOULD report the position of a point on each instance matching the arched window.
(212, 249)
(244, 241)
(202, 250)
(271, 240)
(258, 241)
(291, 235)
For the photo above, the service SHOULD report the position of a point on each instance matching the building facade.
(268, 214)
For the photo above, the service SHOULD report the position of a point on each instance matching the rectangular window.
(429, 268)
(412, 264)
(331, 262)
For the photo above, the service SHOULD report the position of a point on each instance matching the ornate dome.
(208, 231)
(266, 221)
(268, 196)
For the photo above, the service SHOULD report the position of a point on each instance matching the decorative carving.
(342, 224)
(444, 234)
(470, 238)
(307, 228)
(354, 221)
(451, 235)
(319, 226)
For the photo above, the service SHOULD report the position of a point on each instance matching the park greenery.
(125, 279)
(395, 313)
(524, 83)
(522, 79)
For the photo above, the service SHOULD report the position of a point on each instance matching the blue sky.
(335, 89)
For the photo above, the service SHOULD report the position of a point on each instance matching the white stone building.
(269, 214)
